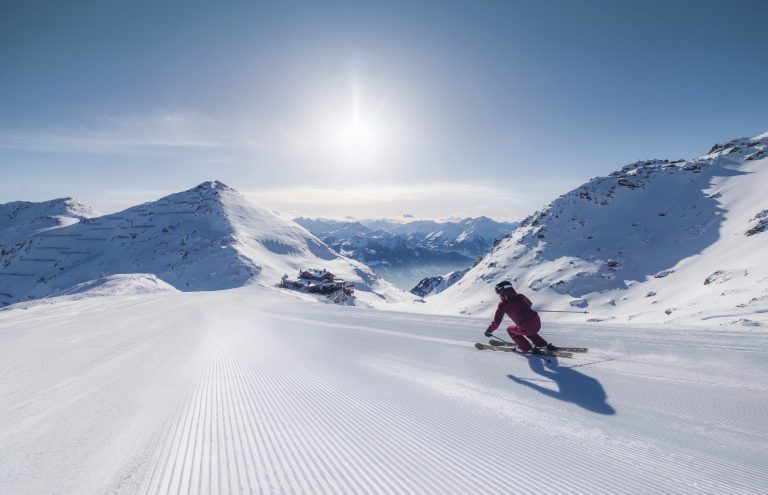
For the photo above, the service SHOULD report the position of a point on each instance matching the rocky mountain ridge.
(639, 243)
(437, 284)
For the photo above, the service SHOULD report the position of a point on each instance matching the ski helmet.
(505, 286)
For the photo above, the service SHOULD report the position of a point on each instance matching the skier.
(526, 322)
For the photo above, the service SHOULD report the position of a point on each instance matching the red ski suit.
(526, 321)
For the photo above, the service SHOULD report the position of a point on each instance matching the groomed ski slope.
(255, 391)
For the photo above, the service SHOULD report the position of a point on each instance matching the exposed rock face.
(437, 284)
(761, 224)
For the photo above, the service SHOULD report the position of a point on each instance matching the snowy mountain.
(334, 230)
(437, 284)
(655, 241)
(469, 236)
(21, 219)
(130, 381)
(392, 256)
(405, 253)
(207, 238)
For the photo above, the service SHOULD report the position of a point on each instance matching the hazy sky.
(368, 109)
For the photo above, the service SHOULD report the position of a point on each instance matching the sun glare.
(356, 140)
(355, 133)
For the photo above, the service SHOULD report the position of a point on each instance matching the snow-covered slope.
(21, 219)
(255, 391)
(656, 241)
(207, 238)
(118, 285)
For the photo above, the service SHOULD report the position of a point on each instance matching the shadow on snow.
(573, 386)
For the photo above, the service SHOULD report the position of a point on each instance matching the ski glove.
(489, 333)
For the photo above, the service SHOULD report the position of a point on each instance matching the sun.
(356, 140)
(356, 133)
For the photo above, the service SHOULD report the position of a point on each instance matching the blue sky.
(367, 109)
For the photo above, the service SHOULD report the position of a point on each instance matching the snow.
(150, 351)
(254, 390)
(121, 285)
(20, 219)
(656, 226)
(207, 238)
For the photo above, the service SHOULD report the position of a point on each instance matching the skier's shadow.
(572, 385)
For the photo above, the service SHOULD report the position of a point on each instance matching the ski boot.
(548, 347)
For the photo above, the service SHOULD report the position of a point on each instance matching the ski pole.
(499, 338)
(560, 311)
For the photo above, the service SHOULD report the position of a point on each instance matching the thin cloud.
(121, 134)
(436, 200)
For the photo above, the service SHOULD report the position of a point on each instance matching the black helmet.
(504, 287)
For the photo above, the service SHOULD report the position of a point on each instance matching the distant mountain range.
(656, 241)
(207, 238)
(405, 253)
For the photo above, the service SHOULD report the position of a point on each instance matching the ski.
(507, 348)
(500, 343)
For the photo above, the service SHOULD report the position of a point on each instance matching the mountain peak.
(212, 189)
(75, 208)
(214, 185)
(209, 195)
(743, 145)
(209, 237)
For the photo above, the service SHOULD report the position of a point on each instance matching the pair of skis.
(498, 345)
